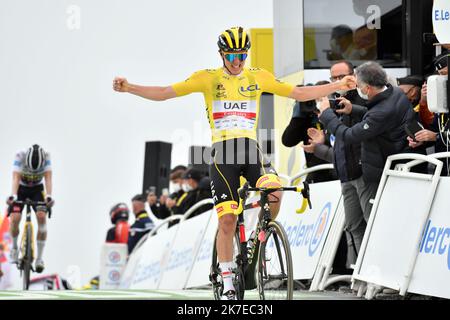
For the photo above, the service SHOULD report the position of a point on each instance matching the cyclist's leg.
(224, 184)
(258, 171)
(41, 216)
(15, 217)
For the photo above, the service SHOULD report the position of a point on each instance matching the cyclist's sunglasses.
(231, 56)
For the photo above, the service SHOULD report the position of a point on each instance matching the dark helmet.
(35, 158)
(234, 40)
(119, 212)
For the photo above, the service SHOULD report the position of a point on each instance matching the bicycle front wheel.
(27, 259)
(275, 275)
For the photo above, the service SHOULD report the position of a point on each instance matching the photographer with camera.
(346, 157)
(162, 207)
(381, 132)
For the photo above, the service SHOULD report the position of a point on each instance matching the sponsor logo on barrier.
(319, 229)
(205, 251)
(180, 258)
(114, 257)
(310, 235)
(151, 271)
(183, 257)
(436, 241)
(114, 275)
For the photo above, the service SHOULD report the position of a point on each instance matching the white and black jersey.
(28, 177)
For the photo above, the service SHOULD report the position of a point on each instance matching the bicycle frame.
(246, 258)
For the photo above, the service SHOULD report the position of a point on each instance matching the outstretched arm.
(147, 92)
(313, 92)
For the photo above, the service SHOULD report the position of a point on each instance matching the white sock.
(227, 275)
(40, 249)
(14, 242)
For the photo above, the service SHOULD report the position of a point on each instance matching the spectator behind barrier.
(346, 158)
(304, 116)
(411, 86)
(119, 218)
(162, 208)
(142, 224)
(381, 131)
(196, 188)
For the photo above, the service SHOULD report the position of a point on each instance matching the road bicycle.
(27, 245)
(268, 243)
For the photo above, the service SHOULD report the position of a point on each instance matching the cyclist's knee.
(15, 217)
(41, 217)
(227, 224)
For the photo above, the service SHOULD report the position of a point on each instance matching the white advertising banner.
(432, 271)
(113, 261)
(199, 275)
(396, 225)
(307, 232)
(184, 250)
(150, 261)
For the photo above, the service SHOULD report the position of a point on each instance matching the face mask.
(186, 187)
(362, 95)
(175, 187)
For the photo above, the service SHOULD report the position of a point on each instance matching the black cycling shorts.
(231, 159)
(35, 193)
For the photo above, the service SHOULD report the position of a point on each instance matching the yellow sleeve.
(272, 85)
(195, 83)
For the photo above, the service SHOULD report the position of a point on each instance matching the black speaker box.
(156, 166)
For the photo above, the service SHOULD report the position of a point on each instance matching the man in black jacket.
(381, 131)
(142, 223)
(346, 158)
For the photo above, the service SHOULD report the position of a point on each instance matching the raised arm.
(314, 92)
(147, 92)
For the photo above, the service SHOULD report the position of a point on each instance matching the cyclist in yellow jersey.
(232, 95)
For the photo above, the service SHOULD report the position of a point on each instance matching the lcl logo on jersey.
(249, 91)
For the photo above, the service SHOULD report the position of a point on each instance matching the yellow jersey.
(232, 102)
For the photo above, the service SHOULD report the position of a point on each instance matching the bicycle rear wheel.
(27, 259)
(275, 274)
(216, 276)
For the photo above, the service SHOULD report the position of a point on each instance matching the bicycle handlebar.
(243, 192)
(34, 203)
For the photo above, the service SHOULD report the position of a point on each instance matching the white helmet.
(35, 158)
